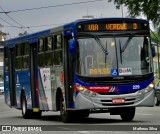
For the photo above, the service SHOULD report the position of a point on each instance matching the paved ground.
(145, 118)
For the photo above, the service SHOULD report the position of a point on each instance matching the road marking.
(147, 114)
(64, 128)
(83, 132)
(121, 133)
(112, 132)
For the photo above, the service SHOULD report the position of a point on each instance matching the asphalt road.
(146, 118)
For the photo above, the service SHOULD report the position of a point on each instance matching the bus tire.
(127, 114)
(36, 115)
(83, 113)
(156, 102)
(65, 114)
(25, 112)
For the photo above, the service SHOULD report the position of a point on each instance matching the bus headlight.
(81, 88)
(143, 91)
(151, 85)
(93, 94)
(85, 91)
(147, 89)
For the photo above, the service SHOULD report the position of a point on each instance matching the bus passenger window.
(49, 45)
(41, 45)
(41, 53)
(18, 57)
(25, 55)
(49, 51)
(58, 50)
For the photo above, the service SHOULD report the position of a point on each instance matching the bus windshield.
(99, 56)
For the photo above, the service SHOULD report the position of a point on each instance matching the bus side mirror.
(153, 50)
(72, 46)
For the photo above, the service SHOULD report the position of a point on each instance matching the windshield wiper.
(101, 45)
(120, 50)
(126, 44)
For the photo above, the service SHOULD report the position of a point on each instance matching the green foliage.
(155, 80)
(153, 38)
(1, 77)
(150, 8)
(157, 70)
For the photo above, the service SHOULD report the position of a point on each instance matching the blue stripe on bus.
(71, 105)
(122, 88)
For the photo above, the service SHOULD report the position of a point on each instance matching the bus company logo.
(125, 71)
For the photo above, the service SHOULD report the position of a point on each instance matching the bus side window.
(6, 58)
(58, 50)
(25, 55)
(18, 57)
(49, 51)
(41, 53)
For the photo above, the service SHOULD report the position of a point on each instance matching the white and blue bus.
(87, 66)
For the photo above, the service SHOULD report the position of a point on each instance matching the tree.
(155, 36)
(22, 34)
(150, 8)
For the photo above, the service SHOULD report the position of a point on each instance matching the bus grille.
(109, 102)
(114, 93)
(106, 101)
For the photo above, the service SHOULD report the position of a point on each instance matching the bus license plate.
(118, 100)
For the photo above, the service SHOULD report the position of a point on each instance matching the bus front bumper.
(99, 101)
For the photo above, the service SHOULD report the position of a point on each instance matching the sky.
(34, 20)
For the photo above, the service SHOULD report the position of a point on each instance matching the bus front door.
(12, 76)
(33, 74)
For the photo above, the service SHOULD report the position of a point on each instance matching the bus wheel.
(65, 115)
(156, 101)
(127, 114)
(83, 113)
(36, 115)
(25, 112)
(39, 114)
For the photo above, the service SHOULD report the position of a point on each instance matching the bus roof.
(63, 27)
(27, 37)
(101, 19)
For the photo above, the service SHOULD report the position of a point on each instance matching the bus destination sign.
(113, 26)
